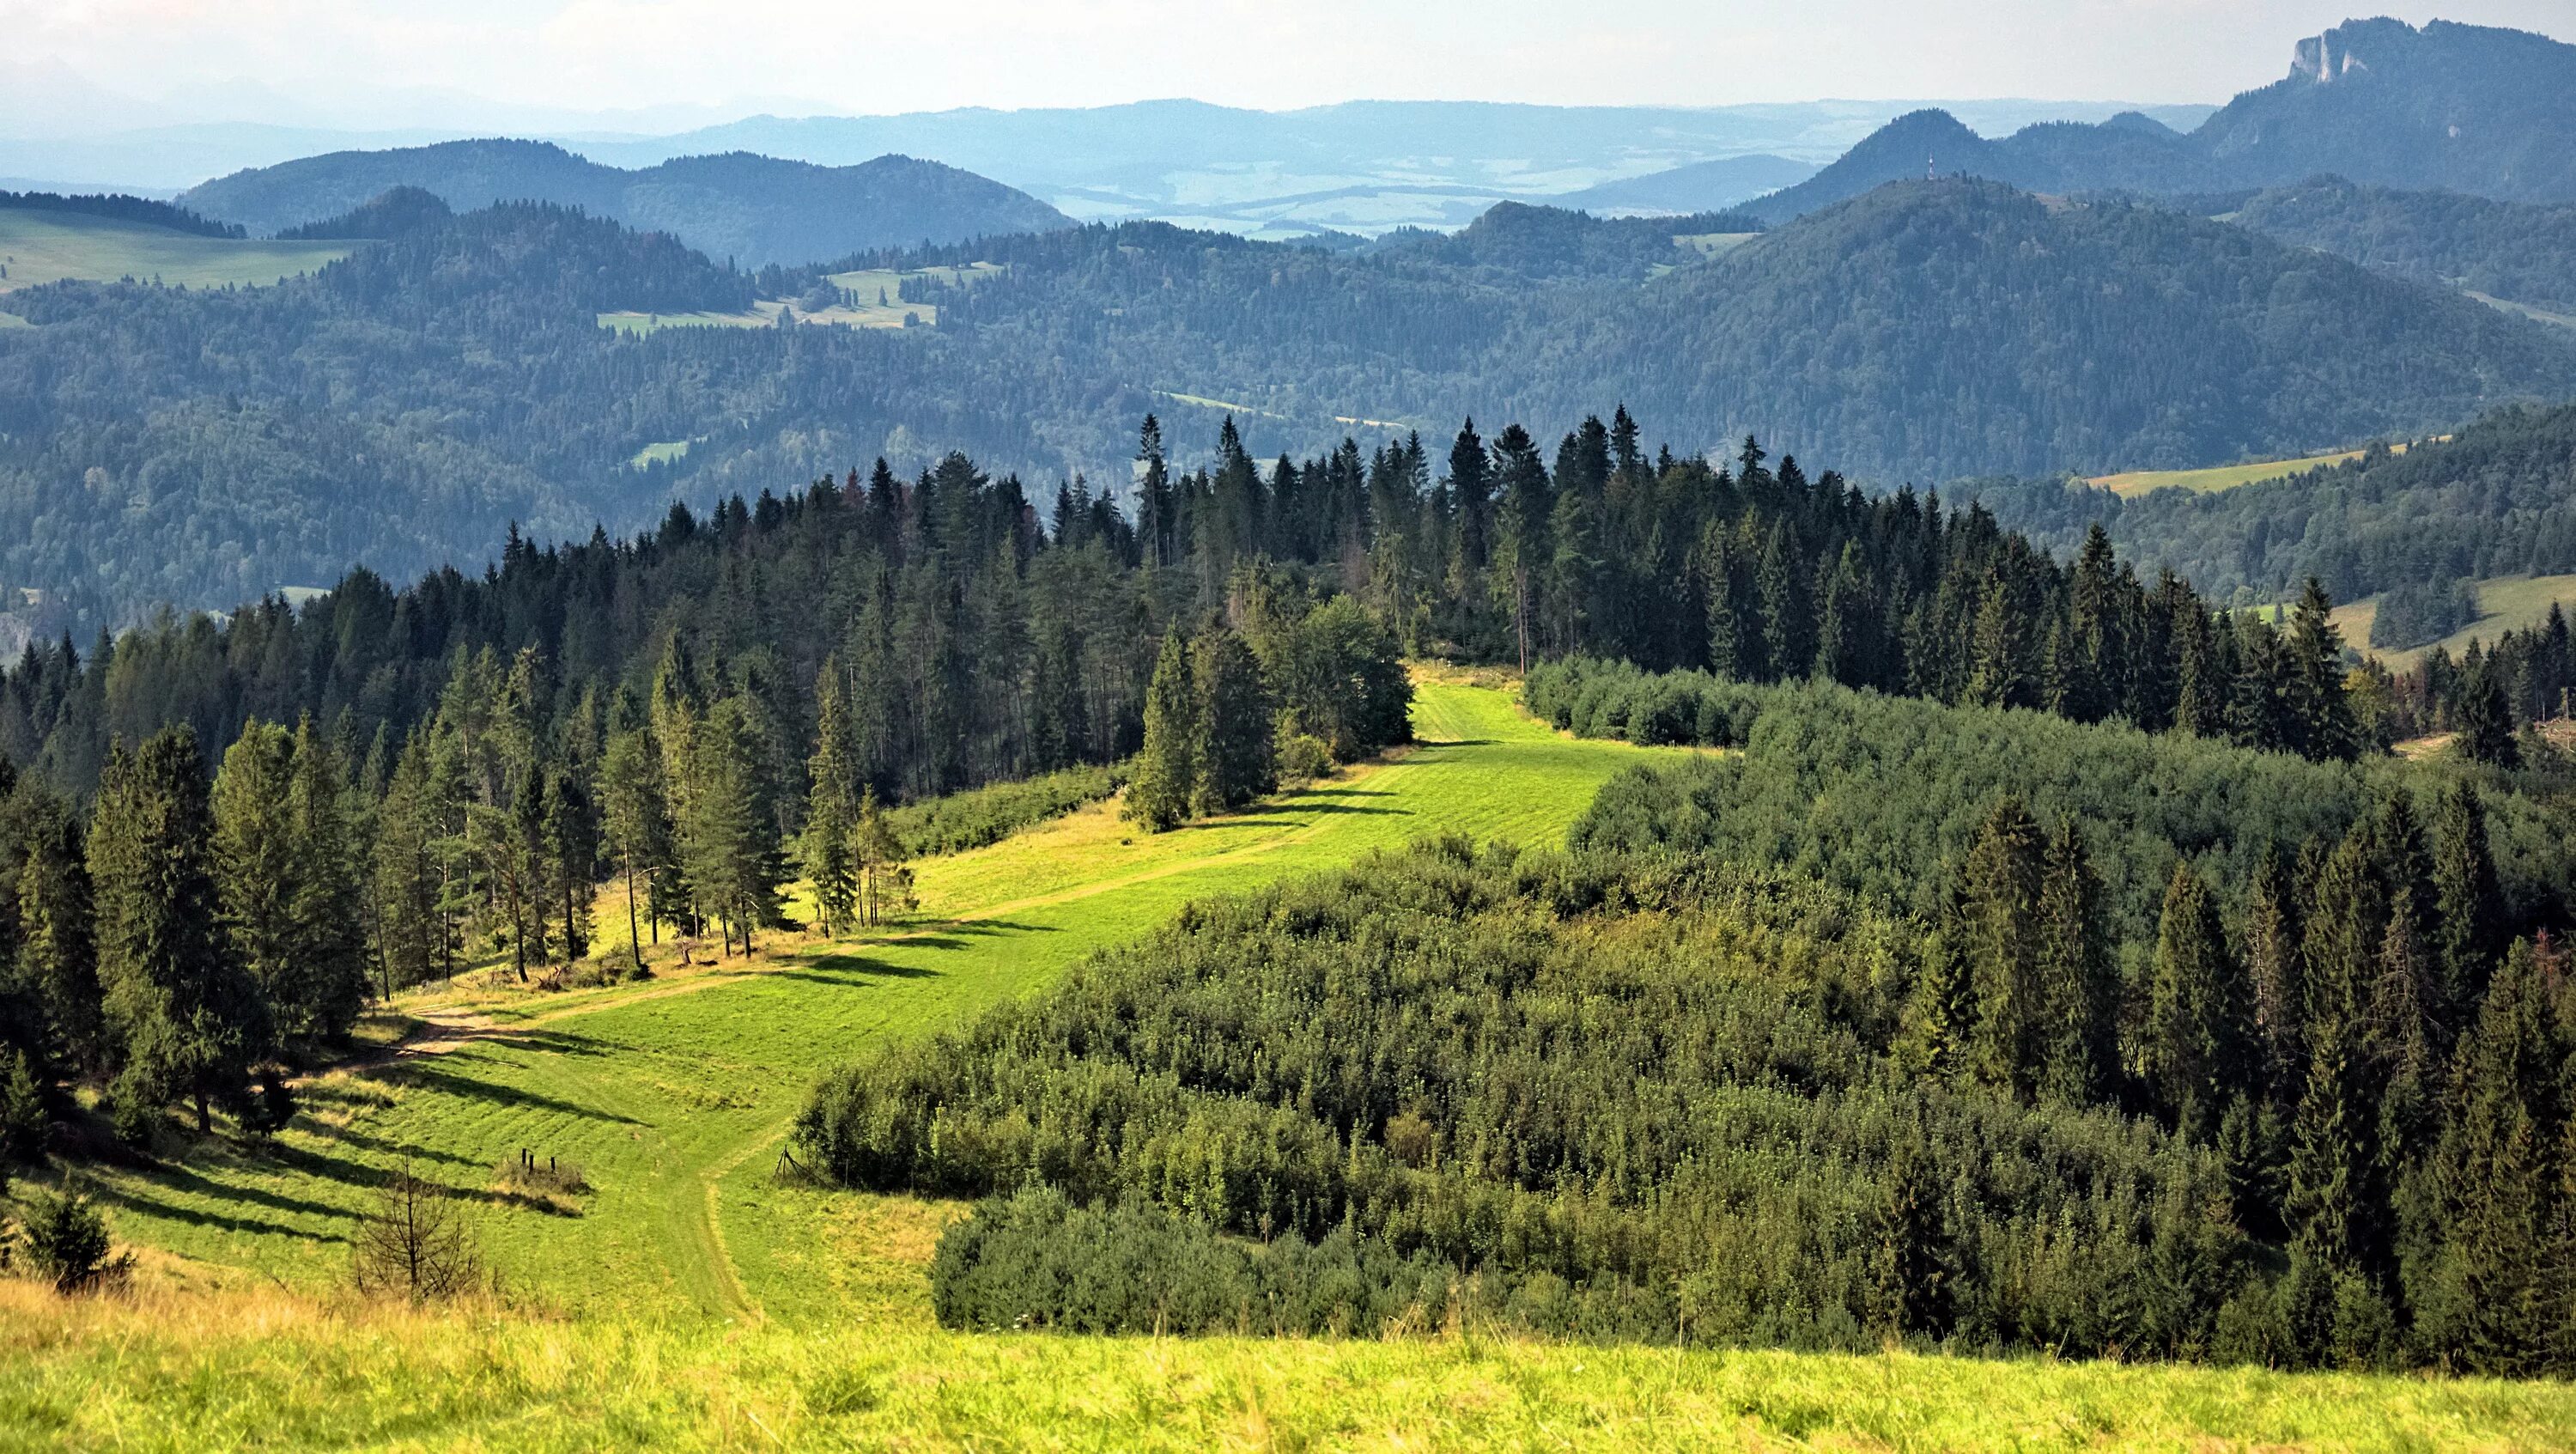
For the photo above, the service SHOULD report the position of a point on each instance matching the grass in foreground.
(272, 1370)
(49, 247)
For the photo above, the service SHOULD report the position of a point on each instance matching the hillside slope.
(754, 209)
(2470, 108)
(1933, 329)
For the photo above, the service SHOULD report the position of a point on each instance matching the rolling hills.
(755, 210)
(1925, 331)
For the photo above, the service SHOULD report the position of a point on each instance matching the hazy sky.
(860, 56)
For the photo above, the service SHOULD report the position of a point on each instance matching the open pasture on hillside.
(865, 286)
(51, 247)
(673, 1094)
(2505, 603)
(2221, 477)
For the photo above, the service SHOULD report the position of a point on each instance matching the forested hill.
(754, 210)
(2516, 251)
(400, 407)
(1935, 329)
(2497, 499)
(2470, 108)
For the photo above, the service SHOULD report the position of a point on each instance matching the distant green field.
(12, 320)
(662, 452)
(48, 247)
(867, 284)
(1714, 244)
(2505, 603)
(2205, 481)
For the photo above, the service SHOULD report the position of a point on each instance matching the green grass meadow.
(2505, 603)
(50, 247)
(694, 1298)
(673, 1094)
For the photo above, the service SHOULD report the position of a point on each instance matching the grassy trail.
(674, 1095)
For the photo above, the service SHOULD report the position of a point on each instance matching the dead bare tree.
(415, 1244)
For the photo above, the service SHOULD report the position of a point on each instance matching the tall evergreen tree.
(2001, 921)
(1166, 780)
(2196, 1053)
(2079, 988)
(831, 806)
(183, 1019)
(1238, 760)
(637, 819)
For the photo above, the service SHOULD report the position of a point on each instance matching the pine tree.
(1166, 781)
(324, 907)
(637, 821)
(572, 858)
(2470, 909)
(1237, 759)
(2000, 890)
(729, 838)
(2195, 1053)
(2319, 711)
(2497, 1175)
(1998, 675)
(2486, 732)
(183, 1018)
(877, 853)
(1848, 635)
(1788, 622)
(2079, 990)
(57, 961)
(831, 805)
(2275, 965)
(1909, 1288)
(254, 853)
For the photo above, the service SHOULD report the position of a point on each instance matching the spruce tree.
(2002, 934)
(1166, 779)
(636, 818)
(1909, 1289)
(325, 906)
(2275, 966)
(2470, 908)
(254, 854)
(183, 1019)
(2078, 1044)
(2498, 1178)
(57, 961)
(831, 805)
(2195, 1053)
(2486, 725)
(1237, 759)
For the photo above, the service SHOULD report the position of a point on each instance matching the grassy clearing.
(867, 283)
(271, 1370)
(49, 247)
(674, 1094)
(12, 320)
(2505, 603)
(661, 452)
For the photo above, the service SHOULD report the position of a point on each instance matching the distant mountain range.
(2468, 108)
(1364, 167)
(755, 210)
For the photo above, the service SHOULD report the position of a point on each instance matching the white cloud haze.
(456, 62)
